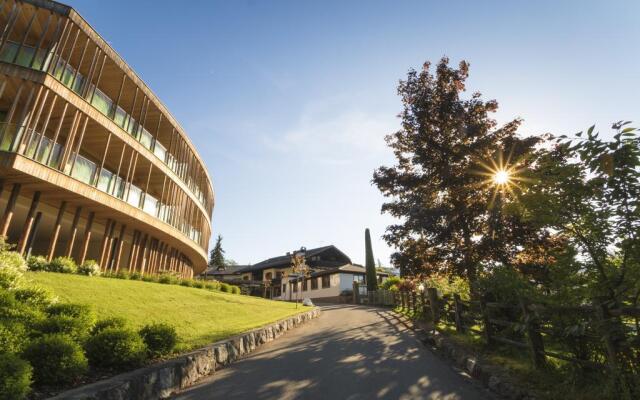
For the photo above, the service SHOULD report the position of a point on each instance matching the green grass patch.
(199, 316)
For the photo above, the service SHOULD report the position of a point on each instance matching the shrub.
(225, 287)
(15, 377)
(66, 265)
(123, 274)
(390, 283)
(13, 336)
(135, 276)
(116, 348)
(150, 278)
(56, 359)
(166, 279)
(12, 268)
(198, 284)
(235, 290)
(37, 263)
(111, 322)
(160, 338)
(214, 285)
(76, 320)
(36, 296)
(89, 268)
(186, 282)
(13, 310)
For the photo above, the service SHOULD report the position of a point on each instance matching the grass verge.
(200, 316)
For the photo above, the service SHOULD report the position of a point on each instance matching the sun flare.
(501, 177)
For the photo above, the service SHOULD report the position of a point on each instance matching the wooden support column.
(56, 231)
(105, 242)
(109, 248)
(74, 231)
(132, 252)
(87, 238)
(119, 249)
(9, 209)
(28, 224)
(34, 233)
(143, 253)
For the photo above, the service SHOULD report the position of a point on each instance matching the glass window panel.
(146, 139)
(134, 196)
(105, 180)
(83, 170)
(8, 52)
(150, 204)
(25, 56)
(7, 132)
(57, 151)
(67, 76)
(160, 151)
(102, 102)
(120, 117)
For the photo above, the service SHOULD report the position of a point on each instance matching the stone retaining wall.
(163, 379)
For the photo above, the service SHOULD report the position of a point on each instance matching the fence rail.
(529, 326)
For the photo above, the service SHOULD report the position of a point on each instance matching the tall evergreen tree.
(440, 188)
(372, 281)
(216, 256)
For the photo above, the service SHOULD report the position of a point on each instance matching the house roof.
(285, 260)
(229, 270)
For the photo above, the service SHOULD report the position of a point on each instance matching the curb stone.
(161, 380)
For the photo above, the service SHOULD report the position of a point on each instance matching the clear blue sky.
(288, 102)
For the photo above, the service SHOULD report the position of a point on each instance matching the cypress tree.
(372, 281)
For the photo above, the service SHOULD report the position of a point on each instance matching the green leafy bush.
(150, 278)
(235, 290)
(135, 276)
(65, 265)
(391, 283)
(160, 338)
(12, 268)
(116, 348)
(15, 377)
(167, 279)
(225, 287)
(212, 285)
(37, 296)
(111, 322)
(186, 282)
(89, 268)
(37, 263)
(56, 359)
(13, 336)
(198, 284)
(76, 320)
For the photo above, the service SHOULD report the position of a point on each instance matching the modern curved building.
(92, 164)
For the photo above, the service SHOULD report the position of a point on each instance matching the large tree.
(216, 256)
(440, 189)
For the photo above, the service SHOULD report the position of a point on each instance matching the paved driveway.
(349, 352)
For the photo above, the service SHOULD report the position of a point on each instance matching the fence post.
(457, 306)
(604, 318)
(413, 303)
(536, 344)
(356, 293)
(432, 293)
(488, 331)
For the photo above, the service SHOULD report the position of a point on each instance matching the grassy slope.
(200, 316)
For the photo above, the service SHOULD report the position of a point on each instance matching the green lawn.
(200, 316)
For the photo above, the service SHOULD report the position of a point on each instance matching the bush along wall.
(48, 345)
(67, 265)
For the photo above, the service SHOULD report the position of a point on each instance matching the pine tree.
(372, 281)
(216, 256)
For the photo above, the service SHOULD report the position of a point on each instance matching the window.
(326, 281)
(305, 285)
(134, 196)
(314, 283)
(268, 276)
(294, 287)
(284, 288)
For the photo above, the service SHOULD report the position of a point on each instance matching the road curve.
(350, 352)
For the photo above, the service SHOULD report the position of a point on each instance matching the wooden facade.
(92, 164)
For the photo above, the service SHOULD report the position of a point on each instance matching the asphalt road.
(349, 352)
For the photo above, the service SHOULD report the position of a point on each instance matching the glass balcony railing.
(29, 57)
(45, 151)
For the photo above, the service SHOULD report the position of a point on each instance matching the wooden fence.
(606, 336)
